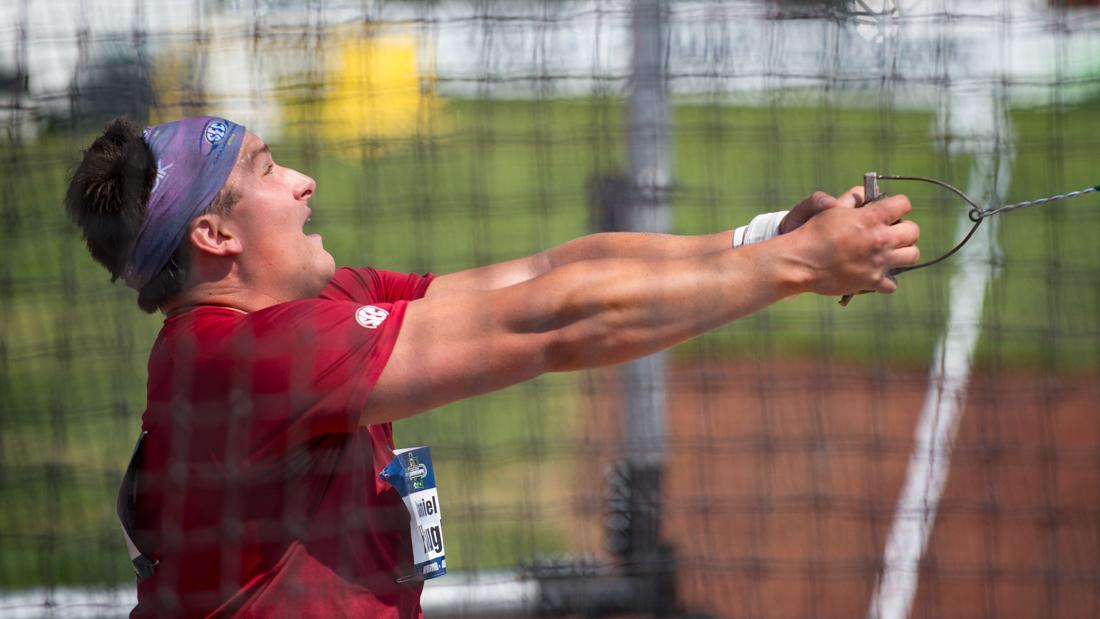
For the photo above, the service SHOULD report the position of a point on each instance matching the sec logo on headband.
(370, 317)
(215, 131)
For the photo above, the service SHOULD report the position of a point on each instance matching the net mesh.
(819, 461)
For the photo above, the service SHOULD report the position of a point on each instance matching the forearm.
(623, 245)
(608, 311)
(640, 245)
(661, 246)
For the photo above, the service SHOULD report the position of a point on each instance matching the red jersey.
(258, 491)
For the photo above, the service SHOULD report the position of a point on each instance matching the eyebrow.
(254, 155)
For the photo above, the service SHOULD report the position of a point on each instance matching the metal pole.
(644, 379)
(635, 488)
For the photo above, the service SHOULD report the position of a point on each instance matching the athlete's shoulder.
(371, 285)
(352, 284)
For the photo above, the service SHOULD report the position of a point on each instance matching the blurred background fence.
(932, 453)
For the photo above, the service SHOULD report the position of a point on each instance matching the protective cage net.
(935, 453)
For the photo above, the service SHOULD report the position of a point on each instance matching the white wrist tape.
(761, 228)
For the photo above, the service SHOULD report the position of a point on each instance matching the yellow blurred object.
(370, 97)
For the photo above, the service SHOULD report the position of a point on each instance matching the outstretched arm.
(605, 245)
(639, 245)
(599, 312)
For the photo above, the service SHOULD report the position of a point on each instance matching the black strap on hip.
(126, 507)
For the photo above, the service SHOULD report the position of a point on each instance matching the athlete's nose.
(304, 187)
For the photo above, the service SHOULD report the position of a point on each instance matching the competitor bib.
(410, 473)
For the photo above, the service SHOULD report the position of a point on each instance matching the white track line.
(944, 400)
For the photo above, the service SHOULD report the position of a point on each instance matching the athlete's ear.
(210, 234)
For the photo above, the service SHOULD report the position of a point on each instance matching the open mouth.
(307, 225)
(307, 222)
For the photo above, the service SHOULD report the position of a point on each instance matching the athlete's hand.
(848, 250)
(817, 203)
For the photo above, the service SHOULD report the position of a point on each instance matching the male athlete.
(274, 381)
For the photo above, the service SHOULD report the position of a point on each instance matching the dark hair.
(107, 196)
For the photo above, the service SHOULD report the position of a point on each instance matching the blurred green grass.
(492, 181)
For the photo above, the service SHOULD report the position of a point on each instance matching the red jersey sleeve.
(367, 285)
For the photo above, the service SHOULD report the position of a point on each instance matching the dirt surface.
(782, 480)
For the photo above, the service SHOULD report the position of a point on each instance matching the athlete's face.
(277, 254)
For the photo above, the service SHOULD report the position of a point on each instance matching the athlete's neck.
(221, 294)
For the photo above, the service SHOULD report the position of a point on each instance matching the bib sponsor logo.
(416, 472)
(371, 317)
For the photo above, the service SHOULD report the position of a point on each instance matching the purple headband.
(194, 158)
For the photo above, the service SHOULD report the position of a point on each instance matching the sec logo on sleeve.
(370, 316)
